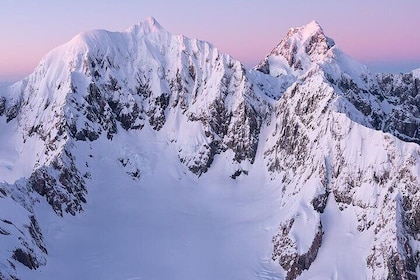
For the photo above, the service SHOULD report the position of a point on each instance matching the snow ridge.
(149, 25)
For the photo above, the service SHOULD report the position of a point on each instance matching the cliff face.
(340, 143)
(326, 151)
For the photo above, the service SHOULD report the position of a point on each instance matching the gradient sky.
(385, 34)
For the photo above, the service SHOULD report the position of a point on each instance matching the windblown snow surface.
(146, 155)
(166, 225)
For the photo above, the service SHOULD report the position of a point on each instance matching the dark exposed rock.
(264, 67)
(238, 131)
(36, 234)
(84, 134)
(2, 105)
(135, 174)
(128, 120)
(238, 173)
(320, 202)
(143, 87)
(157, 112)
(201, 163)
(291, 145)
(303, 262)
(65, 191)
(96, 111)
(342, 196)
(412, 220)
(24, 235)
(4, 232)
(400, 91)
(285, 250)
(25, 258)
(284, 247)
(399, 268)
(12, 112)
(245, 131)
(219, 118)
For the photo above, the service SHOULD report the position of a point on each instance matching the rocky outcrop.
(286, 250)
(387, 102)
(61, 183)
(20, 233)
(402, 91)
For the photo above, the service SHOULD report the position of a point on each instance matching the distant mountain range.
(305, 167)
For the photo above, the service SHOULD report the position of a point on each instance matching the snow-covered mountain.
(141, 154)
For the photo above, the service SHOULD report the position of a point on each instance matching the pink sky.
(384, 35)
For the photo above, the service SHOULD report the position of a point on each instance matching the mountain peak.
(314, 24)
(298, 50)
(308, 40)
(308, 30)
(149, 25)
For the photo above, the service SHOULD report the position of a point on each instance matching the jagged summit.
(297, 51)
(306, 31)
(308, 39)
(149, 25)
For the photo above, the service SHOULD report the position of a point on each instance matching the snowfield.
(167, 224)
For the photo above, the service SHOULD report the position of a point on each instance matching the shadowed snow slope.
(147, 155)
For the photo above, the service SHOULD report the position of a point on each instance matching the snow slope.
(165, 224)
(146, 155)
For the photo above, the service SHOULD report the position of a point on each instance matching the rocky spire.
(300, 48)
